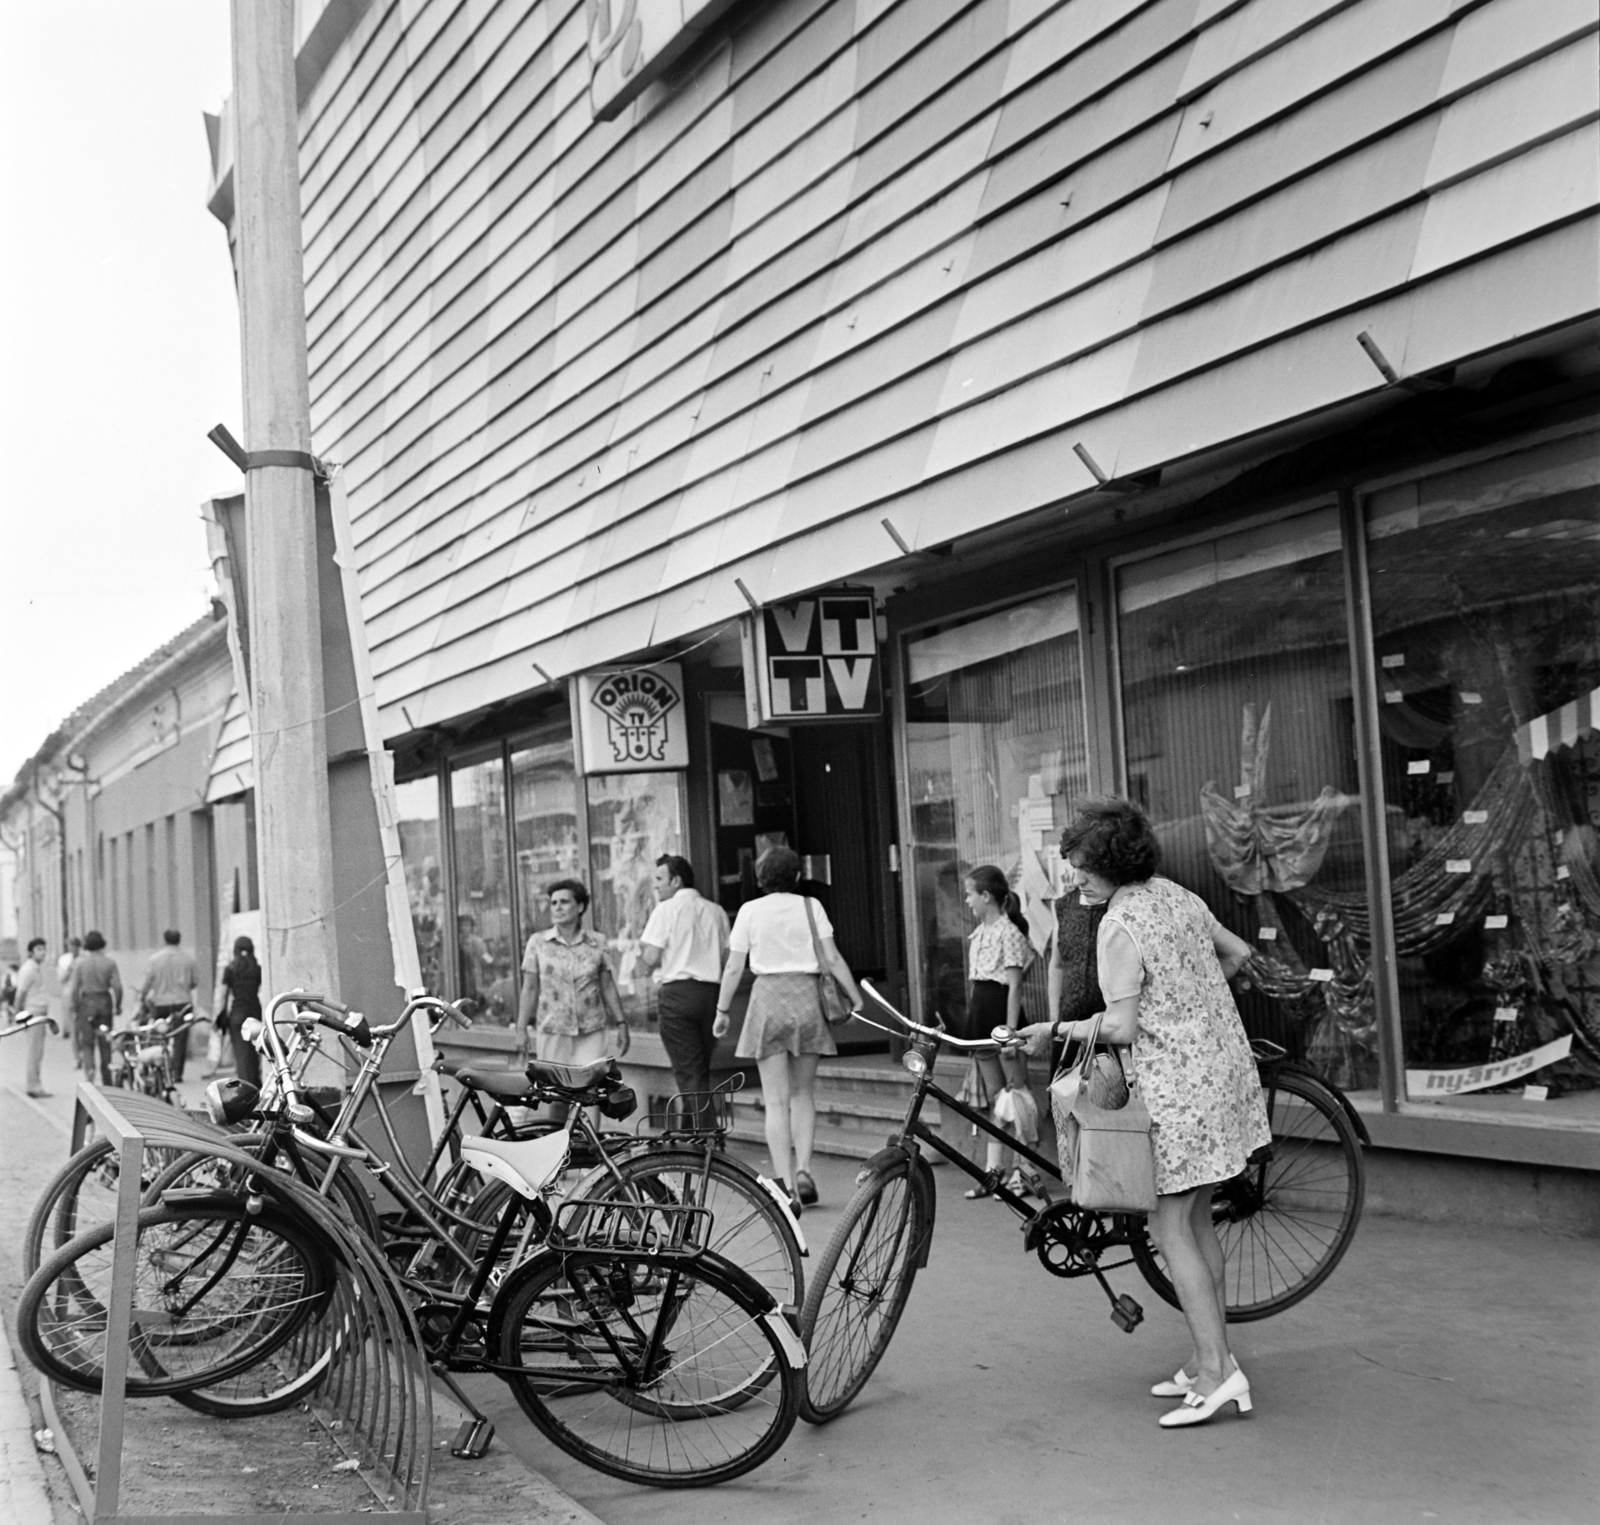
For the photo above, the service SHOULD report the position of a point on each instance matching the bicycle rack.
(375, 1402)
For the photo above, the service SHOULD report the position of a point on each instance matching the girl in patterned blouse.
(998, 954)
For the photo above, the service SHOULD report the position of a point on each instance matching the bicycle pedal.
(472, 1440)
(1126, 1314)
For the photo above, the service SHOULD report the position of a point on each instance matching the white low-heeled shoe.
(1197, 1410)
(1180, 1386)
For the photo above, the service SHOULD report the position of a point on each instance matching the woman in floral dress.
(1164, 965)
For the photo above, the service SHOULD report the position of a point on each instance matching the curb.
(24, 1495)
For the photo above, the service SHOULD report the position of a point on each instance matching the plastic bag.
(214, 1048)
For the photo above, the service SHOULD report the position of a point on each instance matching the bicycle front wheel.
(675, 1372)
(1285, 1222)
(860, 1288)
(216, 1290)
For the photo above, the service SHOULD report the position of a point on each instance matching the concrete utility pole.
(288, 728)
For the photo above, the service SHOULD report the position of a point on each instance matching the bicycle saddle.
(525, 1165)
(572, 1077)
(503, 1085)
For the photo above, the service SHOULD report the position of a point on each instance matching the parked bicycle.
(141, 1054)
(1285, 1221)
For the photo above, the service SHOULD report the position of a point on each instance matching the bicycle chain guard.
(1068, 1241)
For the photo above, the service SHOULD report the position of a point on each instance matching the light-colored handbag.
(830, 998)
(1107, 1153)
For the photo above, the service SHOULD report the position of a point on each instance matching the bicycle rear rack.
(646, 1228)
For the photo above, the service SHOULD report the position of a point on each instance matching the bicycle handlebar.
(919, 1027)
(22, 1024)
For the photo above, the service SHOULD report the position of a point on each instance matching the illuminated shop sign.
(631, 720)
(632, 42)
(817, 658)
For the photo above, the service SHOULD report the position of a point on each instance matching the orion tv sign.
(631, 720)
(632, 43)
(818, 658)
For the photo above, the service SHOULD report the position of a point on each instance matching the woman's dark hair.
(580, 891)
(778, 870)
(93, 942)
(1112, 838)
(986, 879)
(244, 951)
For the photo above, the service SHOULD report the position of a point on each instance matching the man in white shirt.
(685, 942)
(33, 1000)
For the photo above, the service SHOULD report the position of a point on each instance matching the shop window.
(423, 857)
(486, 947)
(995, 755)
(1486, 622)
(544, 811)
(633, 819)
(1238, 735)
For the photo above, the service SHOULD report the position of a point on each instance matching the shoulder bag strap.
(823, 971)
(1085, 1053)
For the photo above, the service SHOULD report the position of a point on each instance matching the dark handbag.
(835, 1009)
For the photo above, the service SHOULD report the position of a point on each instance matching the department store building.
(874, 425)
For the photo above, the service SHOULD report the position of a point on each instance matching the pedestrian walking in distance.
(569, 989)
(94, 997)
(63, 979)
(685, 942)
(1164, 965)
(32, 999)
(784, 1028)
(169, 986)
(239, 1001)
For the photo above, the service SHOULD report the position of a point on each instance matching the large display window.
(485, 925)
(422, 854)
(1238, 721)
(1485, 595)
(995, 752)
(544, 828)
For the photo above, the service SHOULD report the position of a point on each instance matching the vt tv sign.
(817, 659)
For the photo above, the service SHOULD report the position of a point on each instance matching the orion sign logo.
(630, 720)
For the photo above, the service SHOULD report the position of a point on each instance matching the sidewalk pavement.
(220, 1466)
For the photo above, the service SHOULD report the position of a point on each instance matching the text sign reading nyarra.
(819, 657)
(632, 42)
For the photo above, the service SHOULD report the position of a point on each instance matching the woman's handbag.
(835, 1009)
(1107, 1156)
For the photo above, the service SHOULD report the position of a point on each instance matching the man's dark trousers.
(687, 1010)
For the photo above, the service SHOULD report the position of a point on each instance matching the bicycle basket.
(649, 1228)
(690, 1113)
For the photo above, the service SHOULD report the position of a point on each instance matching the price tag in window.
(1458, 865)
(1467, 698)
(1392, 696)
(1268, 934)
(1424, 766)
(1563, 872)
(1395, 659)
(1536, 1093)
(1475, 817)
(1496, 923)
(1444, 918)
(1505, 1013)
(1321, 976)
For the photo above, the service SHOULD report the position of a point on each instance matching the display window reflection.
(422, 853)
(1239, 741)
(995, 755)
(485, 935)
(544, 814)
(633, 819)
(1485, 586)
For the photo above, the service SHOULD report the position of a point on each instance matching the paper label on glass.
(1458, 865)
(1240, 791)
(1536, 1093)
(1475, 817)
(1422, 766)
(1394, 659)
(1563, 872)
(1467, 698)
(1438, 1085)
(1444, 918)
(1496, 923)
(1268, 934)
(1392, 696)
(1322, 976)
(1505, 1013)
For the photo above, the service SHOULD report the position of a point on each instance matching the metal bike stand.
(377, 1398)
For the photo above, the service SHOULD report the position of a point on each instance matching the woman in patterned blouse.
(998, 954)
(569, 990)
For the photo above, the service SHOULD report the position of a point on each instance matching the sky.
(119, 343)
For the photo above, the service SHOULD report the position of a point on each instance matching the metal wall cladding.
(880, 257)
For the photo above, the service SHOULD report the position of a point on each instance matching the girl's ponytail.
(1013, 910)
(988, 880)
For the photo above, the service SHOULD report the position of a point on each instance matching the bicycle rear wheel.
(672, 1371)
(747, 1225)
(1287, 1221)
(860, 1288)
(216, 1290)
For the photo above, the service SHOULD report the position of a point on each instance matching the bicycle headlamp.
(915, 1060)
(231, 1101)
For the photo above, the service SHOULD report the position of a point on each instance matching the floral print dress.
(1191, 1059)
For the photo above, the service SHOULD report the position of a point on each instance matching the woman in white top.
(784, 1028)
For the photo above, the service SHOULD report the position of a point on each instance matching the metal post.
(288, 725)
